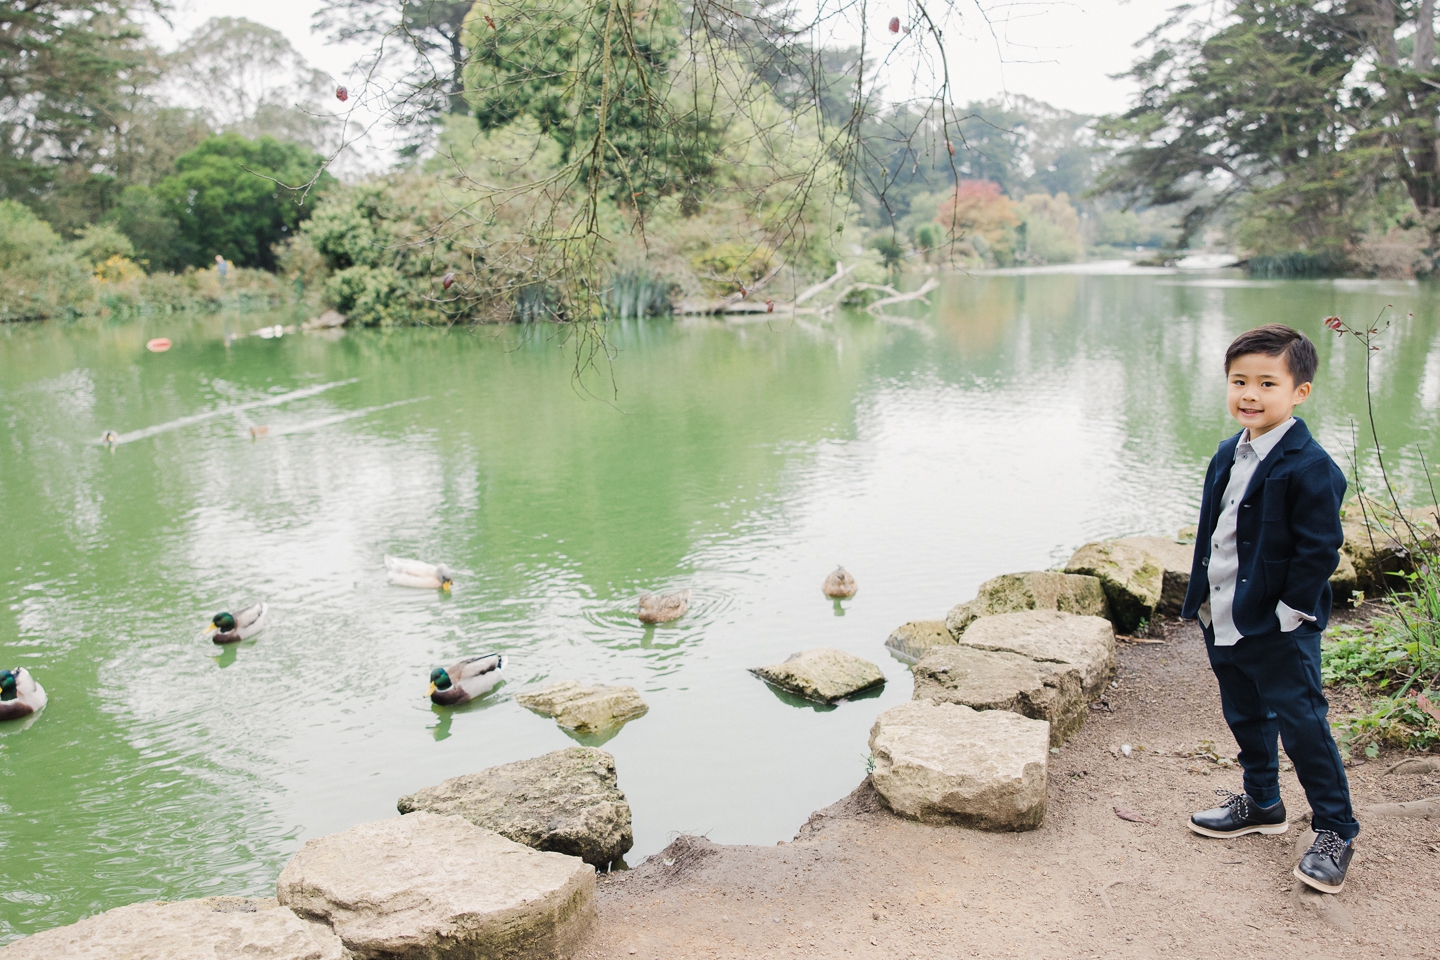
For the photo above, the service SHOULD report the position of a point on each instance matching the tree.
(67, 69)
(433, 29)
(977, 213)
(1300, 116)
(248, 79)
(229, 196)
(557, 62)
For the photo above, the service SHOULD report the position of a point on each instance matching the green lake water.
(1015, 419)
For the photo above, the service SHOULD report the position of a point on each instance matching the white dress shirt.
(1218, 608)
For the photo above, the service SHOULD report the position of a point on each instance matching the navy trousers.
(1269, 686)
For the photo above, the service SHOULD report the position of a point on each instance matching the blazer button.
(1243, 580)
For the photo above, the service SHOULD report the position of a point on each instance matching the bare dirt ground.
(858, 881)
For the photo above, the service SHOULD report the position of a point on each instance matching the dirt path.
(860, 882)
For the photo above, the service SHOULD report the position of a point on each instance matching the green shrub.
(230, 196)
(1295, 265)
(99, 242)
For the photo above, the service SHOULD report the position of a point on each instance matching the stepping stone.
(910, 641)
(215, 928)
(1132, 577)
(947, 763)
(823, 674)
(1175, 560)
(1036, 590)
(566, 801)
(1086, 643)
(994, 680)
(585, 709)
(427, 887)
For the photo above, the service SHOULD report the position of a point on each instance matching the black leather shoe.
(1238, 815)
(1324, 864)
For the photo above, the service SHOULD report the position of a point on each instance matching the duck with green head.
(466, 679)
(241, 625)
(20, 695)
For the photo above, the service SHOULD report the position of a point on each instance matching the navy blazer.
(1288, 532)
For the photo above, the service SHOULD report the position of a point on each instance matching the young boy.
(1269, 540)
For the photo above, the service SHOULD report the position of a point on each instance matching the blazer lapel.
(1294, 439)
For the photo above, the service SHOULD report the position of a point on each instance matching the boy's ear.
(1302, 392)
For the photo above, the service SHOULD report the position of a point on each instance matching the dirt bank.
(860, 882)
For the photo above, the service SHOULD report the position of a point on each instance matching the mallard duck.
(466, 679)
(20, 695)
(240, 625)
(663, 607)
(839, 585)
(418, 573)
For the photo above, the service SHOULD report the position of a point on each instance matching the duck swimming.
(840, 585)
(663, 607)
(418, 573)
(20, 695)
(466, 679)
(240, 625)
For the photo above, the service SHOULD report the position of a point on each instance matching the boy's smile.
(1262, 393)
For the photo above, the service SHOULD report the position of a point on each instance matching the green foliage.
(1395, 661)
(636, 291)
(146, 219)
(237, 197)
(65, 69)
(595, 77)
(1261, 100)
(1296, 264)
(891, 253)
(99, 242)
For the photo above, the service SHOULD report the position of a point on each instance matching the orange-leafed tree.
(978, 215)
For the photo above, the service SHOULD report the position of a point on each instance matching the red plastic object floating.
(342, 94)
(158, 345)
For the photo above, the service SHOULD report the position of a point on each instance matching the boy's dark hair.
(1278, 340)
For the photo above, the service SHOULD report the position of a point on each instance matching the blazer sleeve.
(1316, 534)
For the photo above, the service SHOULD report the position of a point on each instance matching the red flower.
(894, 24)
(448, 281)
(1334, 323)
(769, 306)
(951, 147)
(342, 94)
(490, 22)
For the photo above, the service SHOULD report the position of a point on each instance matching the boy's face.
(1262, 393)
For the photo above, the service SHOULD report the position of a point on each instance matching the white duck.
(466, 679)
(20, 695)
(418, 573)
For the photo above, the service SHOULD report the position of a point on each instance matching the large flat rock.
(910, 641)
(1132, 577)
(216, 928)
(823, 674)
(1175, 560)
(429, 887)
(1086, 643)
(585, 708)
(997, 680)
(567, 801)
(944, 762)
(1034, 590)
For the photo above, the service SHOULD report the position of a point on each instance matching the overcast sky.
(1058, 52)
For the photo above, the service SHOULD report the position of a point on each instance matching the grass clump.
(1394, 662)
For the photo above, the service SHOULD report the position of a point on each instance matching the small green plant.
(869, 763)
(1394, 660)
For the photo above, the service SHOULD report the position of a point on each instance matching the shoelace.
(1244, 803)
(1328, 843)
